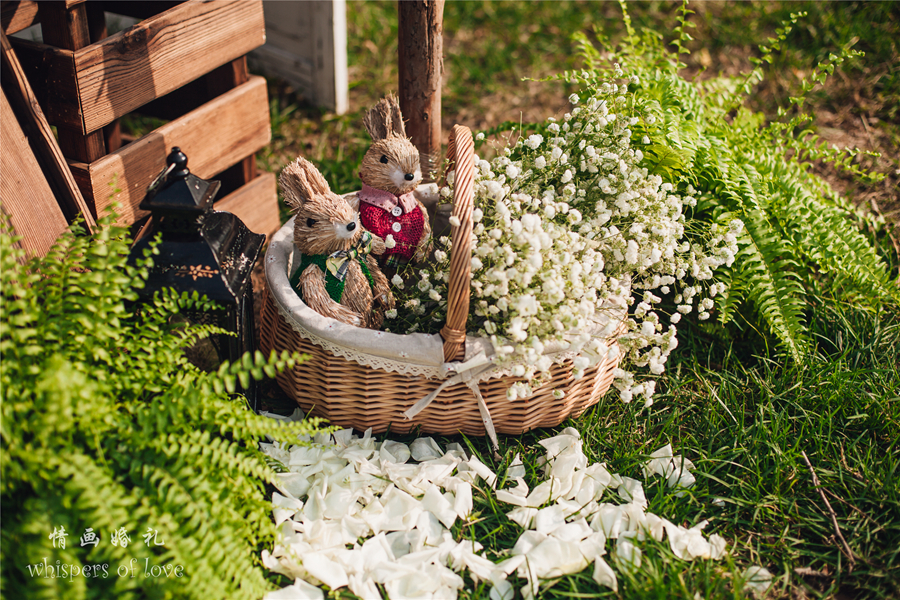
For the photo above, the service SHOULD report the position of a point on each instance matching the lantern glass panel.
(204, 251)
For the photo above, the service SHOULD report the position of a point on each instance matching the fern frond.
(772, 283)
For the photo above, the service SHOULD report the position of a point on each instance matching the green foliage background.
(106, 425)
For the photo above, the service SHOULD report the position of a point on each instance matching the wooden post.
(421, 65)
(71, 27)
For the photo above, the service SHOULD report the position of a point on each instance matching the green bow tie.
(338, 262)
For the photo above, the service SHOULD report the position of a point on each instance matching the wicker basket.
(354, 379)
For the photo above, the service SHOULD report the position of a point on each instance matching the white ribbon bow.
(467, 372)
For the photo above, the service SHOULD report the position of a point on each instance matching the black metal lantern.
(202, 250)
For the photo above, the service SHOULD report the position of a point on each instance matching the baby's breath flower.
(454, 221)
(534, 141)
(539, 280)
(389, 242)
(479, 136)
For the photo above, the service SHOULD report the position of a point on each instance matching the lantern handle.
(178, 159)
(161, 178)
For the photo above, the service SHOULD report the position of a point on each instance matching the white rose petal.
(604, 575)
(463, 501)
(502, 590)
(757, 579)
(300, 590)
(425, 449)
(325, 570)
(395, 452)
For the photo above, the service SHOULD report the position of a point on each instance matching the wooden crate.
(39, 193)
(214, 136)
(183, 60)
(25, 194)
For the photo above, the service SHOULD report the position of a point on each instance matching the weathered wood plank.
(16, 16)
(25, 194)
(51, 72)
(162, 53)
(256, 204)
(42, 141)
(215, 136)
(99, 83)
(71, 26)
(64, 27)
(219, 81)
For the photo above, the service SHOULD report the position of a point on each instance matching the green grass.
(743, 413)
(744, 421)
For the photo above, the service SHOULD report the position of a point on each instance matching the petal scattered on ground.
(353, 512)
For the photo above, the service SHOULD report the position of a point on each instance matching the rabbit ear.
(384, 119)
(377, 119)
(397, 126)
(302, 181)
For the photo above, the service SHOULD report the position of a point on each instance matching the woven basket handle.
(461, 154)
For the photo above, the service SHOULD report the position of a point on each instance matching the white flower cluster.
(353, 512)
(570, 226)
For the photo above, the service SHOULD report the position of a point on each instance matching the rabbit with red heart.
(338, 277)
(390, 172)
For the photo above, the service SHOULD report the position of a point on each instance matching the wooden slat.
(64, 27)
(25, 194)
(91, 87)
(17, 16)
(225, 78)
(44, 145)
(256, 204)
(73, 27)
(51, 72)
(162, 53)
(215, 136)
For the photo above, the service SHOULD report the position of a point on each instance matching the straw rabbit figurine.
(337, 276)
(390, 172)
